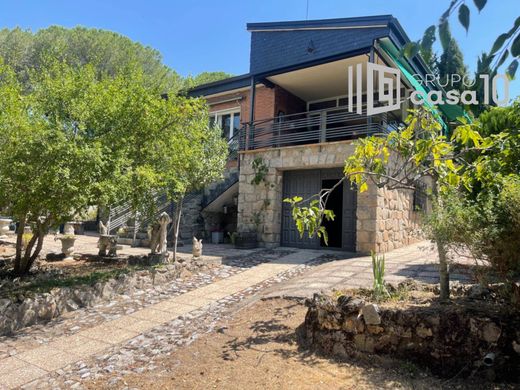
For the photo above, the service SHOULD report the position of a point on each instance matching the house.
(296, 114)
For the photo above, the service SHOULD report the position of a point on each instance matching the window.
(229, 122)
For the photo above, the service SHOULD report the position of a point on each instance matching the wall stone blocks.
(385, 218)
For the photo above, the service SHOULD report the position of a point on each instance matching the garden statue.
(158, 241)
(107, 243)
(68, 229)
(103, 229)
(197, 247)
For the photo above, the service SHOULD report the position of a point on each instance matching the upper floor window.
(228, 121)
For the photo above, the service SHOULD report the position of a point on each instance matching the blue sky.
(204, 35)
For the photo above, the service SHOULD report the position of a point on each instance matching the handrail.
(318, 126)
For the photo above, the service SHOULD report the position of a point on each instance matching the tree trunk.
(444, 274)
(25, 260)
(19, 247)
(177, 222)
(40, 234)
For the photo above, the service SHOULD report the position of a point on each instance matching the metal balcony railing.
(336, 124)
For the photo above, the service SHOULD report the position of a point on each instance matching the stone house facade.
(295, 114)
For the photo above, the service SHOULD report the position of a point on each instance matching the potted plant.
(232, 237)
(246, 240)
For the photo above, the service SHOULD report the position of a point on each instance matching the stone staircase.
(192, 223)
(218, 188)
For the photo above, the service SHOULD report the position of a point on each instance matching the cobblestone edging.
(141, 353)
(41, 308)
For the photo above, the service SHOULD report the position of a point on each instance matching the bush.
(497, 227)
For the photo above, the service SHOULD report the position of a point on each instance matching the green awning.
(416, 85)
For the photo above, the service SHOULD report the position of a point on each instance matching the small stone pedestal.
(107, 245)
(4, 227)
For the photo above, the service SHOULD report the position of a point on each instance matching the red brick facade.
(269, 102)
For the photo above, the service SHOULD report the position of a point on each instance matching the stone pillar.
(367, 211)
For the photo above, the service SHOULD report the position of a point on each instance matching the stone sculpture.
(103, 229)
(68, 229)
(158, 239)
(107, 245)
(197, 247)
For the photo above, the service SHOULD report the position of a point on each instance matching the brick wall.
(287, 102)
(264, 103)
(268, 102)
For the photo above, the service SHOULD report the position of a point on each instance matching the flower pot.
(217, 237)
(67, 245)
(246, 241)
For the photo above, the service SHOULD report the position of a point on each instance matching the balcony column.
(369, 118)
(323, 126)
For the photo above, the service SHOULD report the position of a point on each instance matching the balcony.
(329, 125)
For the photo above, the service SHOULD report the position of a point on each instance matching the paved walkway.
(418, 261)
(62, 351)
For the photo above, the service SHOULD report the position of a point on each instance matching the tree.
(78, 138)
(506, 46)
(451, 62)
(404, 159)
(110, 53)
(49, 168)
(205, 78)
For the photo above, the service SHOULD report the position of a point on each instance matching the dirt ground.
(258, 349)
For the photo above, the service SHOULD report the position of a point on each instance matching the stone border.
(464, 338)
(43, 307)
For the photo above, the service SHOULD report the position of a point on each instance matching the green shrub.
(378, 270)
(497, 227)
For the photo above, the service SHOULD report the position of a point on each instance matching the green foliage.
(108, 52)
(77, 138)
(378, 271)
(260, 170)
(309, 218)
(451, 62)
(233, 237)
(496, 227)
(205, 78)
(426, 47)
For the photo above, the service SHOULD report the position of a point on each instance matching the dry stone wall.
(448, 339)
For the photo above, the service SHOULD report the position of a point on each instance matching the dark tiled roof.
(282, 45)
(322, 23)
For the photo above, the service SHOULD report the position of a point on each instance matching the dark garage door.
(306, 183)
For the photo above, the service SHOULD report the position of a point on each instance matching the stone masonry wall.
(384, 217)
(448, 339)
(397, 222)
